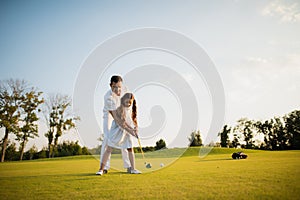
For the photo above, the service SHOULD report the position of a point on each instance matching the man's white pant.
(125, 157)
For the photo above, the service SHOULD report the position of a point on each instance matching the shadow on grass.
(94, 174)
(61, 175)
(215, 159)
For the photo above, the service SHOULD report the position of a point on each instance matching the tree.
(85, 151)
(224, 135)
(235, 142)
(160, 144)
(246, 127)
(29, 103)
(11, 92)
(69, 149)
(195, 139)
(42, 153)
(32, 152)
(275, 136)
(59, 119)
(280, 134)
(266, 128)
(292, 127)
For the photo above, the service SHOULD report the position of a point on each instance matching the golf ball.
(162, 164)
(148, 165)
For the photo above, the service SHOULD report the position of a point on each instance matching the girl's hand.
(133, 133)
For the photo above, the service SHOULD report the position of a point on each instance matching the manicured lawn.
(264, 175)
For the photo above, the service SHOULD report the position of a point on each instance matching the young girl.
(121, 132)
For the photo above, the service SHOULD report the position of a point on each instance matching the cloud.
(294, 60)
(283, 11)
(285, 43)
(260, 87)
(257, 60)
(289, 62)
(260, 76)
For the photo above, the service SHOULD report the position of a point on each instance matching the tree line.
(67, 148)
(160, 144)
(20, 104)
(279, 133)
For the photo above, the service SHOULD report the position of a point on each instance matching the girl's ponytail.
(134, 113)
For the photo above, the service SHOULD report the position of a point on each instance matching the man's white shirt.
(111, 102)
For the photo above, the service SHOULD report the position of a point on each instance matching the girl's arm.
(123, 124)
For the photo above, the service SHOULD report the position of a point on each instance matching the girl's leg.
(131, 157)
(132, 162)
(105, 157)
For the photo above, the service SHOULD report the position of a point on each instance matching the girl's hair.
(121, 110)
(115, 79)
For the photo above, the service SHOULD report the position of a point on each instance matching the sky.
(254, 45)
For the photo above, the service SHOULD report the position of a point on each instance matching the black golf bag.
(239, 155)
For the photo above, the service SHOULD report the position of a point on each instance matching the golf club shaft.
(141, 147)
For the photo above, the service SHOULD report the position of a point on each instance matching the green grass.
(264, 175)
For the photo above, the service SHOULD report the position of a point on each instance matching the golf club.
(148, 165)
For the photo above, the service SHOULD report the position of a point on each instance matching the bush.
(195, 139)
(11, 153)
(160, 144)
(42, 153)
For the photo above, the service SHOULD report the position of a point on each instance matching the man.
(111, 103)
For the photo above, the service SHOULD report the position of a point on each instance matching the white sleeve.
(110, 104)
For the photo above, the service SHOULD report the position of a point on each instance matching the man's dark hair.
(115, 79)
